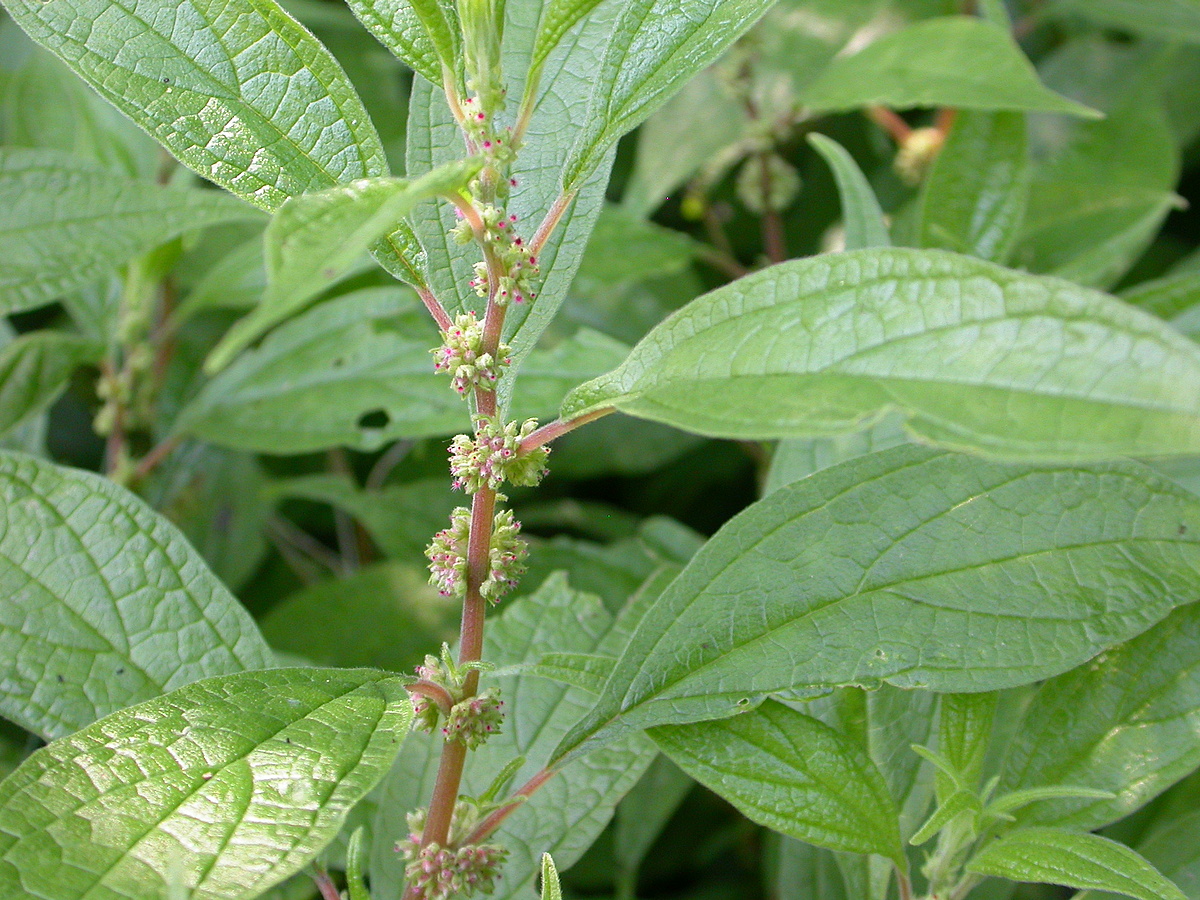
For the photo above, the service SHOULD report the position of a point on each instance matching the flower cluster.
(917, 154)
(493, 456)
(447, 556)
(473, 720)
(516, 264)
(460, 869)
(462, 355)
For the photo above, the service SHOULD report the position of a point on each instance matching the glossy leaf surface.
(237, 90)
(910, 567)
(222, 788)
(975, 356)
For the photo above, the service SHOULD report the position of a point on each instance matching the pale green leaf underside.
(862, 218)
(792, 773)
(65, 222)
(955, 61)
(1052, 856)
(236, 89)
(105, 603)
(222, 788)
(920, 569)
(975, 356)
(557, 18)
(313, 239)
(657, 45)
(1091, 728)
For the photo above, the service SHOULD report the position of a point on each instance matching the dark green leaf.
(107, 604)
(424, 34)
(1093, 727)
(1054, 856)
(66, 222)
(219, 790)
(793, 774)
(1171, 20)
(974, 199)
(237, 89)
(34, 369)
(914, 568)
(977, 357)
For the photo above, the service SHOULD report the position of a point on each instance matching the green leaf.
(1097, 202)
(656, 46)
(314, 238)
(550, 887)
(66, 222)
(792, 773)
(1170, 20)
(384, 616)
(624, 247)
(964, 729)
(910, 567)
(222, 788)
(355, 886)
(799, 458)
(974, 199)
(567, 813)
(237, 90)
(861, 216)
(1009, 802)
(955, 61)
(1054, 856)
(645, 811)
(34, 370)
(955, 805)
(977, 357)
(107, 604)
(558, 17)
(1092, 727)
(352, 372)
(422, 33)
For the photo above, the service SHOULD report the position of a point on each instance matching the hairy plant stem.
(485, 828)
(325, 885)
(904, 884)
(556, 429)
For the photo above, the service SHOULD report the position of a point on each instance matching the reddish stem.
(554, 430)
(326, 886)
(155, 457)
(496, 819)
(435, 308)
(890, 122)
(434, 692)
(553, 217)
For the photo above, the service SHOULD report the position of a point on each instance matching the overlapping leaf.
(219, 790)
(974, 356)
(910, 567)
(107, 604)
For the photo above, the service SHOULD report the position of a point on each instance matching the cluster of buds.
(448, 556)
(516, 263)
(462, 355)
(917, 154)
(468, 720)
(494, 456)
(492, 143)
(459, 869)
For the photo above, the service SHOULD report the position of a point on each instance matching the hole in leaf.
(376, 418)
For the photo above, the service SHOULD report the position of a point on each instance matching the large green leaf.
(910, 567)
(216, 791)
(977, 357)
(237, 89)
(558, 17)
(954, 61)
(974, 199)
(396, 24)
(34, 370)
(105, 603)
(1172, 20)
(66, 222)
(792, 773)
(1093, 728)
(656, 46)
(1054, 856)
(569, 811)
(796, 459)
(315, 238)
(1174, 297)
